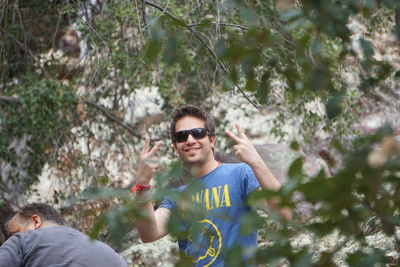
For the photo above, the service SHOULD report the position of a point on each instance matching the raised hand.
(244, 149)
(147, 164)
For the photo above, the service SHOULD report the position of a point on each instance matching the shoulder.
(13, 241)
(58, 232)
(239, 168)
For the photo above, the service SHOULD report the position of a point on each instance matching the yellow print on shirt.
(214, 197)
(215, 244)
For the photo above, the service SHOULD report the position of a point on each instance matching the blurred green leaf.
(334, 106)
(105, 193)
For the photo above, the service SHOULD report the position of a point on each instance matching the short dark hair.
(190, 110)
(45, 211)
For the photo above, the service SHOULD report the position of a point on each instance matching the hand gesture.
(147, 164)
(244, 149)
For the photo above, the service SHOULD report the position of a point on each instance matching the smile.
(192, 149)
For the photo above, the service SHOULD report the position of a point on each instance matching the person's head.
(193, 111)
(193, 134)
(33, 216)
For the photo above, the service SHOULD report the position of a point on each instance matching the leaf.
(248, 15)
(105, 192)
(290, 14)
(367, 48)
(295, 171)
(250, 223)
(97, 227)
(304, 261)
(334, 106)
(321, 229)
(153, 50)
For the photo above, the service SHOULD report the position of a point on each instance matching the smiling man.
(37, 238)
(225, 188)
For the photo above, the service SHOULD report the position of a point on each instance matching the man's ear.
(212, 141)
(37, 221)
(173, 145)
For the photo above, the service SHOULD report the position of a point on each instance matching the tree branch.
(24, 47)
(107, 113)
(222, 24)
(397, 23)
(210, 50)
(9, 99)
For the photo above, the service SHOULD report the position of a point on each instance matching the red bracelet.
(141, 188)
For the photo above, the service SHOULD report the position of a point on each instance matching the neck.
(198, 170)
(49, 224)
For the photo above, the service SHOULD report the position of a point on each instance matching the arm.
(247, 153)
(153, 227)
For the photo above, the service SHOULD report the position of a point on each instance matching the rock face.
(163, 252)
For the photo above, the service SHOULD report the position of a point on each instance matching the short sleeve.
(250, 182)
(10, 252)
(168, 203)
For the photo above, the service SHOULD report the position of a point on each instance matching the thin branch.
(221, 24)
(143, 9)
(397, 21)
(138, 18)
(162, 13)
(9, 99)
(25, 48)
(197, 35)
(56, 31)
(107, 113)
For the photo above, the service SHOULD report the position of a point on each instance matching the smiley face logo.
(209, 243)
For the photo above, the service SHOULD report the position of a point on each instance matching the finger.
(231, 135)
(240, 131)
(146, 144)
(237, 154)
(155, 148)
(235, 147)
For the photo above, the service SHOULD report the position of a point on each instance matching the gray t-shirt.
(57, 246)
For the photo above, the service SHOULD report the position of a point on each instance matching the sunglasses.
(196, 133)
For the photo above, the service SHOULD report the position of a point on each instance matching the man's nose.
(190, 139)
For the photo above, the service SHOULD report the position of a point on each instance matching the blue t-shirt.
(224, 198)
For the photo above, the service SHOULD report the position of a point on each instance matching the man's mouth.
(192, 149)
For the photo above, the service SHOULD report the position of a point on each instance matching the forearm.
(268, 181)
(265, 177)
(147, 227)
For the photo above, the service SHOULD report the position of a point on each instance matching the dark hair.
(190, 110)
(46, 213)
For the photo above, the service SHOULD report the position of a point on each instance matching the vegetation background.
(82, 81)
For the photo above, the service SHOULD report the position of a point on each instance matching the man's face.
(18, 225)
(194, 151)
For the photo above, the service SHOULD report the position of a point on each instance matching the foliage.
(277, 59)
(42, 115)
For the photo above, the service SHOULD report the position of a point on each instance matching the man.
(224, 191)
(37, 237)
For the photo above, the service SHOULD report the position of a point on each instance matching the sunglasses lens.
(181, 136)
(197, 133)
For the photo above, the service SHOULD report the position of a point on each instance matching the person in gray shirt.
(37, 237)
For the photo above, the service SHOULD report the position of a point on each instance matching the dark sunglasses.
(197, 133)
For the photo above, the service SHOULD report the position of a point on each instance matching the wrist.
(143, 197)
(141, 187)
